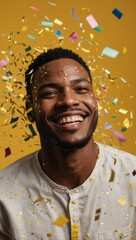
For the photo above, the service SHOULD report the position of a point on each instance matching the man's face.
(64, 103)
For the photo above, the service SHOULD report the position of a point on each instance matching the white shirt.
(33, 207)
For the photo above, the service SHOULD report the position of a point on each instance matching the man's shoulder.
(123, 157)
(11, 172)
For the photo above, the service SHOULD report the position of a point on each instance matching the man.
(73, 188)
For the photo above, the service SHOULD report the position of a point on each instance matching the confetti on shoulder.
(61, 221)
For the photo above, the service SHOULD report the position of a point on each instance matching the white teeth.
(70, 119)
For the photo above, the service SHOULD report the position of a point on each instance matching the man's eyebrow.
(80, 80)
(56, 85)
(46, 85)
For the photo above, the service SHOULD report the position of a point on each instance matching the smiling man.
(73, 188)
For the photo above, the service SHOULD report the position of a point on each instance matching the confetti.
(98, 28)
(123, 80)
(97, 214)
(115, 101)
(53, 4)
(126, 123)
(57, 21)
(123, 111)
(75, 228)
(49, 234)
(3, 62)
(118, 135)
(13, 120)
(107, 125)
(124, 50)
(40, 199)
(73, 14)
(112, 176)
(47, 24)
(73, 36)
(91, 20)
(7, 151)
(28, 49)
(34, 8)
(122, 201)
(110, 52)
(61, 221)
(58, 33)
(32, 129)
(134, 173)
(24, 28)
(117, 13)
(31, 37)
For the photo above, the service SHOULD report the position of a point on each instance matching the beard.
(52, 137)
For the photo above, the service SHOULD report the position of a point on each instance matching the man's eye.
(82, 90)
(48, 94)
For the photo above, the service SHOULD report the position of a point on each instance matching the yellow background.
(18, 19)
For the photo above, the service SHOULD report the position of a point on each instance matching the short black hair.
(48, 56)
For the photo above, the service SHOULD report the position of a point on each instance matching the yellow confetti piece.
(75, 232)
(131, 115)
(49, 234)
(40, 199)
(61, 221)
(123, 111)
(24, 28)
(121, 235)
(40, 32)
(131, 185)
(126, 123)
(122, 201)
(91, 180)
(88, 235)
(124, 50)
(57, 21)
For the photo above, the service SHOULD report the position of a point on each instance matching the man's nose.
(68, 98)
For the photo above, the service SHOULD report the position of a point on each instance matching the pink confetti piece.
(118, 135)
(7, 152)
(3, 62)
(91, 20)
(34, 8)
(73, 36)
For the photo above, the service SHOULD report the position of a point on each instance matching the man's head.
(59, 86)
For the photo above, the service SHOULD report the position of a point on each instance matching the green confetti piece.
(98, 28)
(124, 129)
(28, 49)
(32, 129)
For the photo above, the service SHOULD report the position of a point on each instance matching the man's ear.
(30, 112)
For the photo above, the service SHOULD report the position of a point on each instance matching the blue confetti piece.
(47, 24)
(31, 37)
(58, 33)
(110, 52)
(117, 13)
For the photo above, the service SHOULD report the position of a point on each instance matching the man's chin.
(71, 146)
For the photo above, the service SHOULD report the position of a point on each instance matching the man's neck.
(68, 168)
